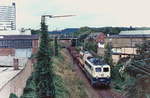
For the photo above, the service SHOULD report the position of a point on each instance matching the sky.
(93, 13)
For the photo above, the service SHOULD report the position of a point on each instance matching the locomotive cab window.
(98, 69)
(88, 64)
(105, 69)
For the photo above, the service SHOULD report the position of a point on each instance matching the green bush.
(30, 89)
(12, 96)
(91, 45)
(60, 89)
(108, 54)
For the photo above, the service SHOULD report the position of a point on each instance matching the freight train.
(98, 72)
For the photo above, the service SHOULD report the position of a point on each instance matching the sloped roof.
(135, 32)
(129, 36)
(100, 37)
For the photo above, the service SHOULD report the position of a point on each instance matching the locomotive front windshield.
(98, 69)
(105, 69)
(96, 61)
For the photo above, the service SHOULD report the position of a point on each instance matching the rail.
(143, 69)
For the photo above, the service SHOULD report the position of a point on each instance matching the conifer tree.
(12, 96)
(43, 74)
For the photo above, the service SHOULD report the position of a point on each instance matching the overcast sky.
(94, 13)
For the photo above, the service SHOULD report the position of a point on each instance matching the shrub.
(12, 96)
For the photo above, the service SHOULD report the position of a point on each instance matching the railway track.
(94, 92)
(142, 69)
(138, 68)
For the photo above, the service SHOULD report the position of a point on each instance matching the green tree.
(108, 54)
(35, 31)
(91, 45)
(12, 96)
(143, 50)
(30, 89)
(56, 47)
(85, 29)
(43, 74)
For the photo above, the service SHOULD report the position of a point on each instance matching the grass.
(67, 84)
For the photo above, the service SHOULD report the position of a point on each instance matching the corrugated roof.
(129, 36)
(135, 32)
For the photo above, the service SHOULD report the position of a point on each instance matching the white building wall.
(8, 60)
(23, 53)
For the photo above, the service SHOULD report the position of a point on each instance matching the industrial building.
(18, 45)
(14, 44)
(125, 43)
(8, 17)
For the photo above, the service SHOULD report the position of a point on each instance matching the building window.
(15, 43)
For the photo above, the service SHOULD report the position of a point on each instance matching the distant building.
(135, 32)
(124, 44)
(100, 39)
(8, 17)
(20, 46)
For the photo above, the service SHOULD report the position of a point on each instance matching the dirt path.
(100, 92)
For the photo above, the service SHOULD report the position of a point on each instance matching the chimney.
(16, 64)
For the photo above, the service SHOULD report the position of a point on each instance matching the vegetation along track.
(141, 69)
(93, 92)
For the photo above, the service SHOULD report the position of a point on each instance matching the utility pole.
(43, 19)
(50, 16)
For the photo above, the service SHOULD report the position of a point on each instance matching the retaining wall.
(17, 83)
